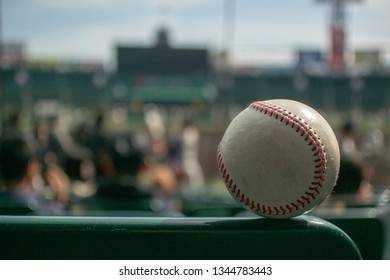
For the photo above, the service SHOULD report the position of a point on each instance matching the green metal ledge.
(304, 237)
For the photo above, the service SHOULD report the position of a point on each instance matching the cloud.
(77, 5)
(92, 28)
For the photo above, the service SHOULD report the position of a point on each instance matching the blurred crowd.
(57, 169)
(363, 156)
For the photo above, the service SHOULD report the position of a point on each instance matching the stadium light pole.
(2, 87)
(337, 31)
(226, 79)
(228, 27)
(1, 33)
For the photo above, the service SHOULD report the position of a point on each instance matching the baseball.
(279, 158)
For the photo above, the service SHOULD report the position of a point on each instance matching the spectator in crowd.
(190, 155)
(135, 179)
(95, 140)
(347, 142)
(352, 186)
(126, 163)
(23, 182)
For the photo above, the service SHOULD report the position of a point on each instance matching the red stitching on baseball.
(319, 158)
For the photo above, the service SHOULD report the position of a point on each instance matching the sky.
(260, 32)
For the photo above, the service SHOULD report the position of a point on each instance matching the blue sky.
(263, 31)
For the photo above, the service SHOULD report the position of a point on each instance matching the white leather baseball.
(279, 158)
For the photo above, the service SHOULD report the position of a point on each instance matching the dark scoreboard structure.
(162, 59)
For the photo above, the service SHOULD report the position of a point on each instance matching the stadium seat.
(304, 237)
(365, 226)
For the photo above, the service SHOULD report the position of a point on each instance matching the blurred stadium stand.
(78, 89)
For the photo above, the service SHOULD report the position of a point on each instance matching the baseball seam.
(319, 156)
